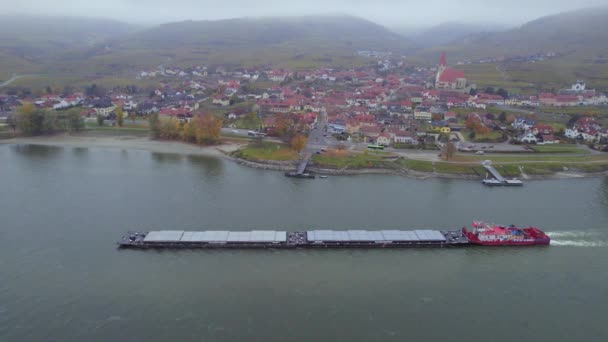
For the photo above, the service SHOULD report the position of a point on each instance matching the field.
(560, 148)
(346, 160)
(267, 151)
(526, 78)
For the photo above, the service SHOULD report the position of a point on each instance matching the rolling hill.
(579, 38)
(298, 42)
(28, 43)
(449, 32)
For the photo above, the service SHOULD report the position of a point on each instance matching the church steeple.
(444, 60)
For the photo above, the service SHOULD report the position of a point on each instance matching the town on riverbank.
(390, 117)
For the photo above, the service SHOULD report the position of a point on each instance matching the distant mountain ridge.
(576, 33)
(450, 32)
(252, 41)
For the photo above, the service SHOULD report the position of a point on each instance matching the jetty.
(261, 239)
(301, 170)
(498, 179)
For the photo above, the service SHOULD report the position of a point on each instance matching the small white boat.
(323, 176)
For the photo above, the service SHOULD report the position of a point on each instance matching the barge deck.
(288, 240)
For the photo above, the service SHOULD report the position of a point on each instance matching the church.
(448, 78)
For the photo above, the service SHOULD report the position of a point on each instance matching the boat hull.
(535, 242)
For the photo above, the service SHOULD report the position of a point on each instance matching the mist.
(392, 13)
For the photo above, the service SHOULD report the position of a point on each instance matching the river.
(63, 279)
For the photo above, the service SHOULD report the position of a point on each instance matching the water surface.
(63, 279)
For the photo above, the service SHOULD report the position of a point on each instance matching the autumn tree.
(282, 124)
(208, 128)
(298, 142)
(29, 119)
(188, 132)
(120, 116)
(170, 129)
(449, 150)
(154, 123)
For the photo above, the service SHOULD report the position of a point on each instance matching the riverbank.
(345, 163)
(377, 164)
(124, 141)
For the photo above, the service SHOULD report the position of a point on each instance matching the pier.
(315, 135)
(174, 239)
(498, 179)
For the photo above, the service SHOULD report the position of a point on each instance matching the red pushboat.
(493, 235)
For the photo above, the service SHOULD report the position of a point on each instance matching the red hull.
(534, 237)
(511, 243)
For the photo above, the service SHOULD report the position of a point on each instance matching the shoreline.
(130, 142)
(138, 142)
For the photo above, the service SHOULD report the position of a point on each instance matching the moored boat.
(493, 235)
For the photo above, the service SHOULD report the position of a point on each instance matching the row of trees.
(30, 121)
(491, 90)
(203, 128)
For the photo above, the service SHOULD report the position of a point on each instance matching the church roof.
(451, 75)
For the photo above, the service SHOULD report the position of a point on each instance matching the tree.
(120, 116)
(68, 90)
(11, 121)
(437, 117)
(510, 118)
(154, 123)
(473, 92)
(298, 142)
(133, 117)
(503, 93)
(489, 90)
(30, 120)
(100, 120)
(208, 128)
(502, 117)
(282, 124)
(170, 129)
(449, 150)
(95, 90)
(188, 132)
(74, 120)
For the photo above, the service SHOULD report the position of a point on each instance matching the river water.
(63, 279)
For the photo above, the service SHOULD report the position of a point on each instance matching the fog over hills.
(78, 45)
(578, 33)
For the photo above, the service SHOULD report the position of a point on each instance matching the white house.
(384, 139)
(528, 138)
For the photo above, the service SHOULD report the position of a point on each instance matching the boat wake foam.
(579, 239)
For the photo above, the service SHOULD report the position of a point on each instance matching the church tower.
(443, 63)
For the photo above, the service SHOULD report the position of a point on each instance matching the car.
(234, 131)
(480, 153)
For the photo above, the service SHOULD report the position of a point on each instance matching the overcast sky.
(394, 13)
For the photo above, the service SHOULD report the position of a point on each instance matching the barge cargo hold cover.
(283, 239)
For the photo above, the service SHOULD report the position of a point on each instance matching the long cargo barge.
(300, 239)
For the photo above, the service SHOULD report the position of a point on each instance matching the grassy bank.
(461, 165)
(266, 151)
(345, 160)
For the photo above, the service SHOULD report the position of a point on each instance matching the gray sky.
(395, 13)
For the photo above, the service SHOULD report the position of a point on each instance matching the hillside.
(298, 42)
(27, 43)
(449, 32)
(579, 38)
